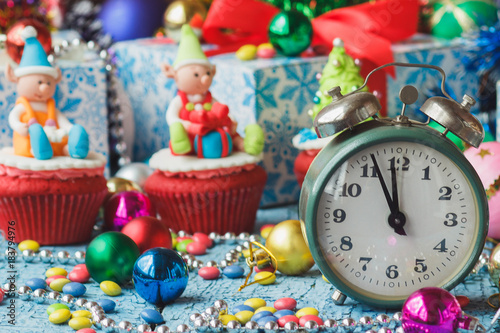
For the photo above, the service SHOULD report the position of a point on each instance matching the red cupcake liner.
(51, 219)
(220, 204)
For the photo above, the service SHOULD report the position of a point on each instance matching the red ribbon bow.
(203, 121)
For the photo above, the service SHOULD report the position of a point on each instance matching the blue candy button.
(75, 289)
(261, 314)
(36, 283)
(107, 305)
(151, 316)
(282, 313)
(233, 271)
(263, 320)
(242, 307)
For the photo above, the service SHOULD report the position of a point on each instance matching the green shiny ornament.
(111, 257)
(453, 17)
(455, 139)
(290, 32)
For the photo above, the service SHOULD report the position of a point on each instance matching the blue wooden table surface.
(309, 290)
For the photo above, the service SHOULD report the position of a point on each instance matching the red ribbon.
(367, 29)
(203, 121)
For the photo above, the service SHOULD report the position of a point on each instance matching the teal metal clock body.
(389, 207)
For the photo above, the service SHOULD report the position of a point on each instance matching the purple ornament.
(434, 310)
(125, 206)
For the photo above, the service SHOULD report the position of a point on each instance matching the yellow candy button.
(266, 231)
(81, 313)
(59, 316)
(266, 308)
(56, 271)
(80, 322)
(255, 303)
(265, 46)
(306, 311)
(110, 288)
(265, 278)
(246, 52)
(58, 284)
(29, 245)
(244, 316)
(227, 318)
(324, 278)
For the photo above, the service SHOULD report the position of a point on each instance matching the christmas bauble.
(15, 43)
(455, 139)
(494, 265)
(290, 32)
(131, 19)
(117, 184)
(486, 159)
(160, 276)
(180, 12)
(289, 248)
(148, 232)
(453, 17)
(122, 207)
(136, 172)
(111, 256)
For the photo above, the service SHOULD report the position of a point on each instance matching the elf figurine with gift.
(197, 122)
(40, 130)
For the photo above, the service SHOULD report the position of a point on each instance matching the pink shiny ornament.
(434, 310)
(122, 207)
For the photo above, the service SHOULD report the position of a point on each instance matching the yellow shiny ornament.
(494, 265)
(192, 12)
(287, 244)
(117, 185)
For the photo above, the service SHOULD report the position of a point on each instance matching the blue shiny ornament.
(233, 271)
(151, 316)
(36, 283)
(263, 320)
(281, 313)
(107, 305)
(261, 314)
(160, 276)
(212, 145)
(74, 289)
(241, 307)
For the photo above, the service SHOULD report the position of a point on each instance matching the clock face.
(420, 232)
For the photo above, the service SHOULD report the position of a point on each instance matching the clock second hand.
(397, 219)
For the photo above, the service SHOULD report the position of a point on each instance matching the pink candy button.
(86, 330)
(196, 248)
(285, 303)
(209, 273)
(304, 319)
(203, 238)
(285, 319)
(54, 277)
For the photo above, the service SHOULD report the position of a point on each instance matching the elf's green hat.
(189, 49)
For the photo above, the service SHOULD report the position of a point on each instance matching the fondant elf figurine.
(194, 115)
(40, 130)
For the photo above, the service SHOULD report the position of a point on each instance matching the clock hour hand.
(396, 219)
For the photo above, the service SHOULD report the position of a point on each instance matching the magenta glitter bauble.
(431, 310)
(122, 207)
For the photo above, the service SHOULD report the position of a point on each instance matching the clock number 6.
(420, 267)
(392, 272)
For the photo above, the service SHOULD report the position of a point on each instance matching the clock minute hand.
(382, 183)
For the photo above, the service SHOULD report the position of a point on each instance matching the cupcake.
(206, 195)
(53, 201)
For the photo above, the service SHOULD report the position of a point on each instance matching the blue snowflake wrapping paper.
(80, 96)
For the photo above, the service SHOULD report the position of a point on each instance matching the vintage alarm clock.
(390, 206)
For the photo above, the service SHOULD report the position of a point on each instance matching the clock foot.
(338, 298)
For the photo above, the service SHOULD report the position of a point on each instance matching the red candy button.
(304, 319)
(86, 330)
(463, 301)
(80, 275)
(209, 273)
(285, 319)
(54, 277)
(2, 293)
(265, 269)
(203, 238)
(285, 303)
(196, 248)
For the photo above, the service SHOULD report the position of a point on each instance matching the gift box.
(275, 93)
(81, 96)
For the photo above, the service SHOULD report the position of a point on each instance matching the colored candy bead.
(306, 311)
(36, 283)
(53, 278)
(233, 271)
(107, 305)
(58, 284)
(227, 318)
(463, 301)
(244, 316)
(59, 316)
(287, 303)
(266, 53)
(261, 314)
(196, 248)
(75, 289)
(266, 308)
(242, 307)
(262, 321)
(81, 276)
(29, 245)
(80, 322)
(181, 246)
(56, 306)
(80, 267)
(2, 294)
(281, 313)
(255, 303)
(56, 271)
(265, 278)
(265, 230)
(304, 319)
(246, 52)
(265, 269)
(151, 316)
(285, 319)
(203, 238)
(86, 330)
(209, 273)
(324, 278)
(81, 313)
(110, 288)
